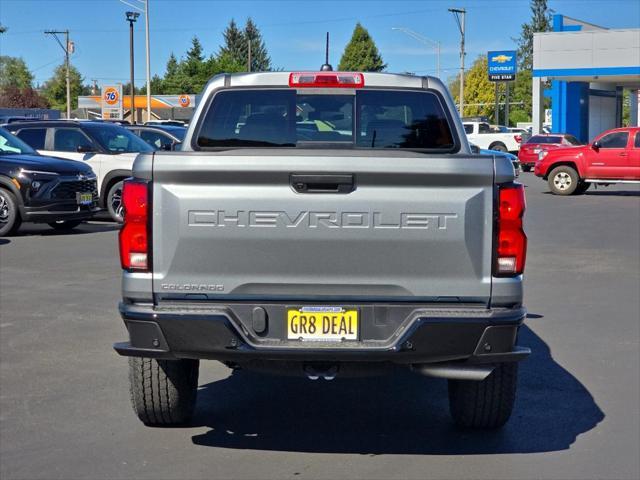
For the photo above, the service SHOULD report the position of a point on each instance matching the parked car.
(483, 135)
(107, 148)
(174, 123)
(613, 157)
(39, 189)
(510, 156)
(530, 150)
(160, 137)
(348, 249)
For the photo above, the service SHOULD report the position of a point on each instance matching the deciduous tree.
(14, 73)
(14, 97)
(55, 89)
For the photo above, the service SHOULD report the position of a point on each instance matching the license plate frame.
(322, 323)
(84, 198)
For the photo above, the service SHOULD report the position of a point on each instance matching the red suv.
(528, 154)
(613, 157)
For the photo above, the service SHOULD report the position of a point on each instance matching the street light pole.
(146, 25)
(64, 47)
(146, 21)
(131, 18)
(425, 40)
(460, 14)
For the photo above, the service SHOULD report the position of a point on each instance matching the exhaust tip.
(327, 372)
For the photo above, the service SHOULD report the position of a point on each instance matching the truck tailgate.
(231, 226)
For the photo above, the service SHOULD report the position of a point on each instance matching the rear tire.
(10, 219)
(114, 202)
(485, 404)
(65, 225)
(563, 180)
(163, 392)
(499, 147)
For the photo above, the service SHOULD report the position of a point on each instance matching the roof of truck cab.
(371, 79)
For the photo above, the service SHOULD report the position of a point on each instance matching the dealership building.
(591, 69)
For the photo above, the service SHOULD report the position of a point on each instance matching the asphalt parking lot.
(64, 404)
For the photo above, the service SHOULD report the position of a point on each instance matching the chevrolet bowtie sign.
(502, 65)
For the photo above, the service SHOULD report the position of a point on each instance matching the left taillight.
(134, 235)
(511, 241)
(518, 138)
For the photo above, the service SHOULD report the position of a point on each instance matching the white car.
(488, 138)
(108, 148)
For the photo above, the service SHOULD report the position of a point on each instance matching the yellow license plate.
(84, 198)
(322, 323)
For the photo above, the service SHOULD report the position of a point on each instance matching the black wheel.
(9, 215)
(163, 392)
(563, 180)
(114, 202)
(526, 168)
(499, 146)
(64, 225)
(582, 187)
(485, 404)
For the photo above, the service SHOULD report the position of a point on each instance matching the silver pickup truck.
(323, 224)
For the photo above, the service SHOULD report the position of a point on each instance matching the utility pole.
(459, 14)
(425, 40)
(131, 18)
(64, 47)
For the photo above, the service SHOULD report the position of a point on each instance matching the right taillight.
(511, 241)
(134, 235)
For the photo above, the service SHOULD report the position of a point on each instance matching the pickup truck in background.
(613, 157)
(323, 224)
(489, 138)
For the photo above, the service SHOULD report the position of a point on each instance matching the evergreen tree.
(194, 54)
(156, 85)
(361, 53)
(234, 43)
(14, 73)
(540, 22)
(172, 66)
(522, 87)
(260, 60)
(55, 89)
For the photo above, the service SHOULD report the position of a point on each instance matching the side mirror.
(595, 146)
(84, 149)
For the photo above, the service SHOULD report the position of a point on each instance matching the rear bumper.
(427, 335)
(527, 159)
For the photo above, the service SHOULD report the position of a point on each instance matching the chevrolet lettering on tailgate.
(254, 218)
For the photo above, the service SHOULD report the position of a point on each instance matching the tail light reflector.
(134, 235)
(326, 79)
(518, 138)
(511, 241)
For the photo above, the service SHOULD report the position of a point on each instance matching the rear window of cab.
(369, 119)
